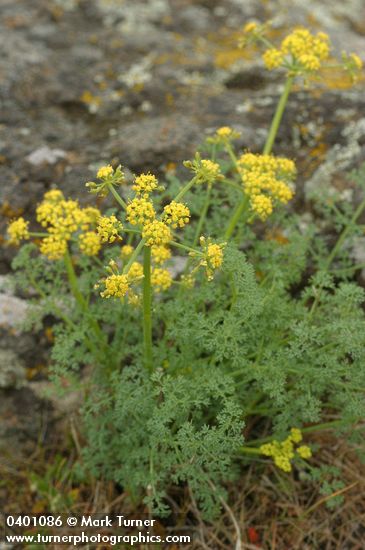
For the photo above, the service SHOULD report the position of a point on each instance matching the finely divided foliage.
(263, 320)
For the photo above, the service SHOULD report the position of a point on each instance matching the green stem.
(185, 189)
(136, 251)
(250, 450)
(278, 115)
(38, 234)
(147, 302)
(344, 234)
(236, 217)
(184, 247)
(336, 249)
(203, 215)
(80, 300)
(231, 154)
(72, 279)
(117, 197)
(275, 124)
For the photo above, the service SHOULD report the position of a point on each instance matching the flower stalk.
(147, 309)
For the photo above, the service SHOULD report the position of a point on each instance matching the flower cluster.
(156, 233)
(161, 279)
(61, 219)
(266, 180)
(300, 52)
(89, 243)
(108, 228)
(108, 177)
(223, 135)
(353, 64)
(18, 230)
(145, 184)
(160, 254)
(206, 171)
(300, 49)
(212, 256)
(139, 211)
(53, 247)
(283, 452)
(135, 272)
(176, 214)
(116, 286)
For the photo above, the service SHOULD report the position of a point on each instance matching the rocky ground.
(141, 82)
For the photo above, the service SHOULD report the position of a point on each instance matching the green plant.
(182, 362)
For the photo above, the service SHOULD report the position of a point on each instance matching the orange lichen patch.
(337, 79)
(9, 212)
(225, 59)
(170, 167)
(169, 99)
(31, 372)
(102, 85)
(225, 48)
(138, 87)
(319, 152)
(260, 275)
(89, 99)
(177, 58)
(277, 236)
(49, 335)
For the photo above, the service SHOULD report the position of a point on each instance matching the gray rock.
(13, 310)
(12, 373)
(45, 155)
(153, 142)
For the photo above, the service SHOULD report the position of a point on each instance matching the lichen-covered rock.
(12, 372)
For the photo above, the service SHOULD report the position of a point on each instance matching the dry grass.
(265, 509)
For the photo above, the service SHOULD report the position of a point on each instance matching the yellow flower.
(135, 272)
(53, 247)
(54, 195)
(300, 51)
(224, 135)
(309, 62)
(62, 217)
(250, 27)
(18, 230)
(160, 254)
(206, 171)
(104, 172)
(116, 286)
(304, 451)
(212, 257)
(139, 211)
(145, 184)
(356, 61)
(108, 228)
(108, 178)
(273, 58)
(161, 279)
(296, 435)
(156, 233)
(91, 215)
(262, 206)
(265, 180)
(210, 170)
(283, 452)
(126, 251)
(176, 214)
(89, 243)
